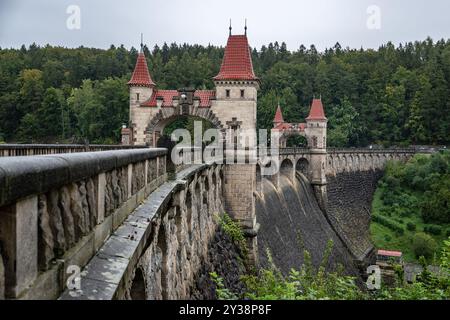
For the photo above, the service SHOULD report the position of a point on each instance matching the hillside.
(393, 95)
(411, 207)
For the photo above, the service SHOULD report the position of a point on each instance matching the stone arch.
(351, 163)
(287, 168)
(162, 250)
(168, 115)
(293, 138)
(344, 163)
(267, 170)
(357, 162)
(189, 213)
(205, 194)
(302, 166)
(137, 290)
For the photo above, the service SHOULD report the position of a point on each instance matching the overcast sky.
(353, 23)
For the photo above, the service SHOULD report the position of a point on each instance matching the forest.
(392, 96)
(411, 208)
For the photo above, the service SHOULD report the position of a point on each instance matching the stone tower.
(235, 105)
(141, 89)
(316, 134)
(237, 90)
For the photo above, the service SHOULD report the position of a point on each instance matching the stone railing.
(158, 251)
(14, 150)
(373, 150)
(56, 211)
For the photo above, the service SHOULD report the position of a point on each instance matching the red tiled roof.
(237, 60)
(205, 97)
(168, 95)
(316, 112)
(141, 75)
(389, 253)
(290, 126)
(278, 115)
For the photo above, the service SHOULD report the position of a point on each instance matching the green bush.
(234, 231)
(433, 229)
(424, 245)
(411, 226)
(388, 223)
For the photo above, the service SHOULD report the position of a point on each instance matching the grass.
(385, 238)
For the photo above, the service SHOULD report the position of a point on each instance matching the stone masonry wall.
(350, 197)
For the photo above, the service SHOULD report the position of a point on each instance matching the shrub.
(433, 229)
(234, 231)
(388, 223)
(424, 245)
(411, 226)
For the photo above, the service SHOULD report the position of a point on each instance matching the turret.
(141, 89)
(316, 126)
(278, 119)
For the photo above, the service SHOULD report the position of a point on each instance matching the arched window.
(314, 142)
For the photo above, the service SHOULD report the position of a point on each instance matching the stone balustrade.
(14, 150)
(56, 211)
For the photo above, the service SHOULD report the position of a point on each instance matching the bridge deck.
(103, 275)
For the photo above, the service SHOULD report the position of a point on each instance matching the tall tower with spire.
(316, 133)
(235, 105)
(237, 89)
(141, 88)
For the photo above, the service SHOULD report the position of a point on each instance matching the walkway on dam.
(102, 276)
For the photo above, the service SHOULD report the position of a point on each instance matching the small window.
(242, 93)
(227, 93)
(137, 96)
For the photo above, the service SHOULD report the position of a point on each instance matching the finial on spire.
(142, 42)
(245, 28)
(230, 27)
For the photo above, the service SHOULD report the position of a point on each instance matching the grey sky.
(319, 22)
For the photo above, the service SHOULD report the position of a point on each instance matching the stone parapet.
(57, 210)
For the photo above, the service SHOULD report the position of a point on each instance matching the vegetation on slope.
(411, 207)
(393, 95)
(309, 283)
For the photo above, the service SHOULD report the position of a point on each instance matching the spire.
(230, 27)
(316, 112)
(142, 43)
(237, 60)
(278, 116)
(141, 75)
(245, 28)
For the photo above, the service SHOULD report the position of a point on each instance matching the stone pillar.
(19, 236)
(101, 197)
(318, 176)
(130, 180)
(127, 136)
(240, 182)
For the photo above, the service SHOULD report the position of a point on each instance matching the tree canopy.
(391, 96)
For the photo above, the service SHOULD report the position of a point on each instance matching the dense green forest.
(411, 207)
(391, 96)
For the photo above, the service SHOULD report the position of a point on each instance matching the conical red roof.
(278, 116)
(316, 112)
(237, 60)
(141, 75)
